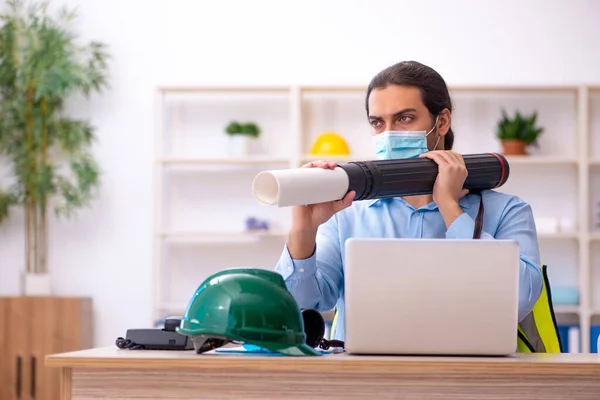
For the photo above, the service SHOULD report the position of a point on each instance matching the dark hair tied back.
(434, 92)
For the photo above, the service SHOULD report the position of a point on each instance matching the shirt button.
(301, 269)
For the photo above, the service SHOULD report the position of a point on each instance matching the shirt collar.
(464, 202)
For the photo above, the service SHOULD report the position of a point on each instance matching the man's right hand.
(306, 219)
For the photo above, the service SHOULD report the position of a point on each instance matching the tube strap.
(479, 220)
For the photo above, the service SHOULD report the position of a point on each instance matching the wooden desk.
(143, 374)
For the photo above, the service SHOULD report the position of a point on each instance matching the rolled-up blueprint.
(371, 180)
(289, 187)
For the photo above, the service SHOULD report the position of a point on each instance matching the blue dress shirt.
(318, 282)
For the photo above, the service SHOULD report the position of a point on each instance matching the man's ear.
(444, 122)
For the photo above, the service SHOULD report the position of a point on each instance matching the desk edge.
(337, 364)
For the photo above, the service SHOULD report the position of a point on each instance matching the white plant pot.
(36, 284)
(239, 145)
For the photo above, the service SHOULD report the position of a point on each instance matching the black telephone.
(156, 339)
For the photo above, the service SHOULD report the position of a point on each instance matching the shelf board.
(558, 235)
(557, 309)
(566, 309)
(224, 89)
(220, 237)
(457, 89)
(173, 307)
(231, 237)
(512, 160)
(309, 157)
(594, 236)
(540, 160)
(363, 88)
(334, 89)
(243, 161)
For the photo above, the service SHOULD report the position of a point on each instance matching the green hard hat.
(247, 305)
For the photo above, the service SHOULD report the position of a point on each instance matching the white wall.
(107, 252)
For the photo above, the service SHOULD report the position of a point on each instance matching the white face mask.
(392, 145)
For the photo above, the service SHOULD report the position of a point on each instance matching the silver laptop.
(431, 296)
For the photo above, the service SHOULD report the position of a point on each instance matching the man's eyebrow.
(405, 110)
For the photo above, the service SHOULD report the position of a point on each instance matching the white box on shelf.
(567, 225)
(546, 225)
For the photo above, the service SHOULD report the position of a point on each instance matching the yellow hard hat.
(330, 143)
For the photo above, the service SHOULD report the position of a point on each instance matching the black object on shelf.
(156, 339)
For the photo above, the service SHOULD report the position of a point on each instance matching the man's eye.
(405, 118)
(374, 123)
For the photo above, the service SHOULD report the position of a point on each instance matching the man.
(409, 109)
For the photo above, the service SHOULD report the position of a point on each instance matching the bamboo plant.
(49, 154)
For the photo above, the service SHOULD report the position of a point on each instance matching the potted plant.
(240, 136)
(49, 153)
(517, 133)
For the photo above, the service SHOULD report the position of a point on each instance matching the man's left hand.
(448, 187)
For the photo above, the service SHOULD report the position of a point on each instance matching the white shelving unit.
(203, 194)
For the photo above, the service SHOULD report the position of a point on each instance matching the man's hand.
(307, 219)
(448, 186)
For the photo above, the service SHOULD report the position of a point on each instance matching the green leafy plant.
(6, 201)
(49, 153)
(233, 128)
(519, 127)
(249, 129)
